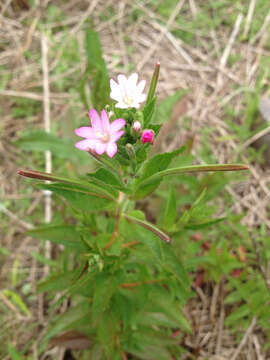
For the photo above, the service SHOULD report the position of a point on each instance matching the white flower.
(126, 92)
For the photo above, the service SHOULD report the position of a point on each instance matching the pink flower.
(126, 92)
(102, 135)
(148, 136)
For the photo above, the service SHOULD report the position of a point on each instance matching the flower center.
(128, 100)
(103, 137)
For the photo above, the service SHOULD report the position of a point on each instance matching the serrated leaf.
(170, 210)
(104, 289)
(174, 264)
(156, 164)
(79, 197)
(59, 234)
(57, 282)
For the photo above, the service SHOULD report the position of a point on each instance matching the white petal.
(141, 85)
(132, 80)
(114, 86)
(116, 95)
(141, 98)
(122, 80)
(121, 105)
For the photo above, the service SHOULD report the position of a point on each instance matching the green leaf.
(174, 264)
(17, 301)
(107, 177)
(75, 184)
(148, 112)
(13, 353)
(156, 164)
(149, 227)
(62, 148)
(170, 210)
(72, 316)
(96, 69)
(158, 176)
(104, 289)
(57, 282)
(153, 84)
(45, 261)
(79, 197)
(204, 224)
(59, 234)
(132, 230)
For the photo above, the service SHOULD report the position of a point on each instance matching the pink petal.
(105, 121)
(95, 120)
(100, 147)
(141, 85)
(132, 80)
(86, 144)
(85, 131)
(117, 125)
(116, 136)
(111, 149)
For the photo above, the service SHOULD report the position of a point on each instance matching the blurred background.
(215, 54)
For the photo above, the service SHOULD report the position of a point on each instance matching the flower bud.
(148, 136)
(136, 126)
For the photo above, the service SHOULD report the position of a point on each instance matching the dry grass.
(202, 68)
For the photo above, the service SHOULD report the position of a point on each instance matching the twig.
(161, 35)
(244, 339)
(262, 30)
(15, 218)
(193, 8)
(33, 96)
(252, 139)
(226, 53)
(9, 304)
(249, 16)
(47, 126)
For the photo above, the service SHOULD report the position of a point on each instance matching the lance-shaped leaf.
(153, 84)
(149, 227)
(191, 169)
(92, 189)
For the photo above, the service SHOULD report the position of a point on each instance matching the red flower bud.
(148, 136)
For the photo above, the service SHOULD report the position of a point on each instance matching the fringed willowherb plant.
(122, 273)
